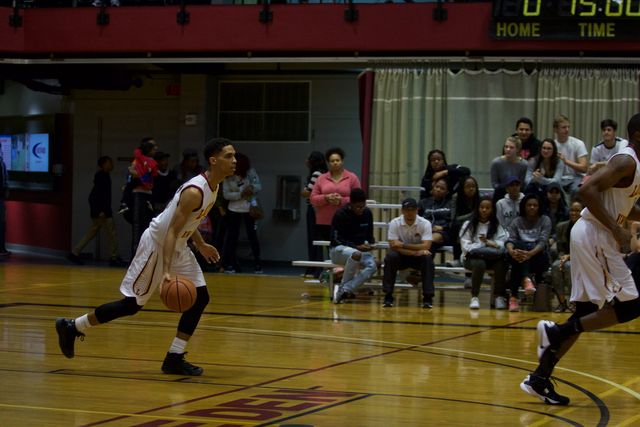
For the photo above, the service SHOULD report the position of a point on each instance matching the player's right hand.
(166, 278)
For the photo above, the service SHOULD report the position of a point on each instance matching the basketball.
(179, 294)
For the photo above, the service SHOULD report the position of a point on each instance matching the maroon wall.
(309, 29)
(43, 218)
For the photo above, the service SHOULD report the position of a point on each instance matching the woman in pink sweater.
(331, 191)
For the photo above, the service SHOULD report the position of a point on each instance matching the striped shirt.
(311, 181)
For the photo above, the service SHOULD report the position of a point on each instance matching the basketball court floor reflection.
(274, 357)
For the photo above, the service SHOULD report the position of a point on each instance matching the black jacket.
(437, 212)
(351, 230)
(100, 196)
(455, 174)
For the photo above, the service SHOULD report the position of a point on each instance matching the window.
(264, 111)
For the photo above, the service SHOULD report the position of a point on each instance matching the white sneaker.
(501, 303)
(336, 288)
(475, 303)
(454, 263)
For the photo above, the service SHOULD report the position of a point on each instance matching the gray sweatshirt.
(522, 231)
(507, 209)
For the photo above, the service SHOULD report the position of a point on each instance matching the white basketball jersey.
(619, 201)
(160, 224)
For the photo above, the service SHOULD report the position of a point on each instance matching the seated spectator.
(555, 207)
(524, 132)
(606, 148)
(351, 244)
(437, 210)
(561, 268)
(573, 153)
(544, 169)
(482, 240)
(437, 168)
(409, 239)
(505, 166)
(508, 208)
(464, 202)
(527, 248)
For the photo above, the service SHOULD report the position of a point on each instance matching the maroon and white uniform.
(145, 272)
(598, 270)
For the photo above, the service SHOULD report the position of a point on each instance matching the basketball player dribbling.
(163, 253)
(602, 286)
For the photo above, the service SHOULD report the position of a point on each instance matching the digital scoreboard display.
(566, 19)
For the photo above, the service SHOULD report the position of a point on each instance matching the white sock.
(178, 345)
(82, 323)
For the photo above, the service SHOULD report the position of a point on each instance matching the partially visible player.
(162, 253)
(603, 288)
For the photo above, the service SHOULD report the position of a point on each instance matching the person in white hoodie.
(241, 191)
(508, 208)
(482, 239)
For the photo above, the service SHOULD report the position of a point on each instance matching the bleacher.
(383, 214)
(447, 278)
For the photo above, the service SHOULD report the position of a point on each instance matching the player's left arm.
(190, 200)
(208, 252)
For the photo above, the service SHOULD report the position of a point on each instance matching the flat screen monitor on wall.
(25, 152)
(25, 144)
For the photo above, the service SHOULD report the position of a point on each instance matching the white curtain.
(586, 97)
(482, 109)
(407, 121)
(469, 113)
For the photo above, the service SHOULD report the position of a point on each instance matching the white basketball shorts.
(598, 270)
(145, 272)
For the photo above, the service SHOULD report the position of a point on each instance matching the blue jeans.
(351, 279)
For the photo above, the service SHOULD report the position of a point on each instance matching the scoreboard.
(566, 19)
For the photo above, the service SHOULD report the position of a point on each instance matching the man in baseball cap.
(409, 239)
(409, 203)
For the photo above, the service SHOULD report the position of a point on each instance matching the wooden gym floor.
(274, 355)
